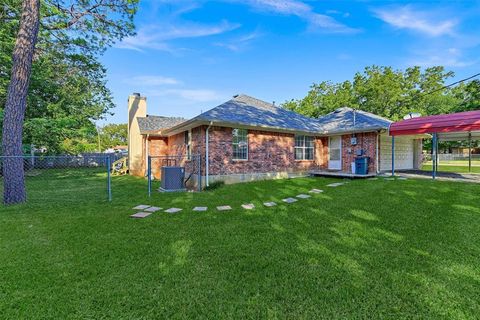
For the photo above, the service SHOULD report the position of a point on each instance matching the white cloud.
(193, 95)
(450, 57)
(240, 43)
(156, 36)
(149, 80)
(405, 17)
(303, 11)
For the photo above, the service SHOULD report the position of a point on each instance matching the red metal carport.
(446, 127)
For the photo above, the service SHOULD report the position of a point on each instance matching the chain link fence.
(57, 179)
(174, 173)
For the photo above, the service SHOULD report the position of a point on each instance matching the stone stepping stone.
(402, 178)
(303, 196)
(372, 179)
(269, 204)
(289, 200)
(173, 210)
(336, 184)
(152, 209)
(248, 206)
(315, 191)
(140, 215)
(141, 207)
(200, 209)
(224, 208)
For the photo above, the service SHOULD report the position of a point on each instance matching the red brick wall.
(157, 146)
(366, 142)
(268, 152)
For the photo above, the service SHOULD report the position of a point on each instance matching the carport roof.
(456, 126)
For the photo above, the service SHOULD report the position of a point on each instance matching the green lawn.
(381, 249)
(452, 168)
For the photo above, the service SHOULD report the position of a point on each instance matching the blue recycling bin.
(361, 165)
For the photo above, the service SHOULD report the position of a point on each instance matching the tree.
(113, 135)
(13, 173)
(386, 92)
(72, 33)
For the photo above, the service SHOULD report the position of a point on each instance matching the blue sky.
(192, 55)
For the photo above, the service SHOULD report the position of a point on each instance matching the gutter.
(206, 154)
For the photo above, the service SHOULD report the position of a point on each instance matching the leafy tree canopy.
(391, 93)
(68, 89)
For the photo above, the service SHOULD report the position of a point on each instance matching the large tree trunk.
(13, 171)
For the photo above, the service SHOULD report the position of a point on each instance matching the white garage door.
(404, 151)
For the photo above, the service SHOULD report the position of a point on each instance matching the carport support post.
(393, 156)
(434, 155)
(469, 152)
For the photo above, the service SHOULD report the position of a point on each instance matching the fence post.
(109, 179)
(199, 180)
(149, 173)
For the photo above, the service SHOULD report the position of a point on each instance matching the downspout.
(206, 154)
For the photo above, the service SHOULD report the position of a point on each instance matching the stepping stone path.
(140, 215)
(269, 204)
(200, 209)
(402, 178)
(248, 206)
(315, 191)
(152, 209)
(173, 210)
(303, 196)
(141, 207)
(224, 208)
(289, 200)
(336, 184)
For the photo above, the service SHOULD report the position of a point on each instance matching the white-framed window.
(188, 144)
(240, 144)
(304, 147)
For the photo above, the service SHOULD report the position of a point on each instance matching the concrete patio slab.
(289, 200)
(200, 209)
(152, 209)
(224, 208)
(303, 196)
(140, 215)
(315, 191)
(336, 184)
(248, 206)
(173, 210)
(141, 207)
(269, 204)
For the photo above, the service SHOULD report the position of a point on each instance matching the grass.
(382, 249)
(452, 168)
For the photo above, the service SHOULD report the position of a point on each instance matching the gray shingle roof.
(342, 120)
(155, 123)
(248, 111)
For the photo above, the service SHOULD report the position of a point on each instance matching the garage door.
(404, 151)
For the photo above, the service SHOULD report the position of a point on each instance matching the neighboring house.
(246, 139)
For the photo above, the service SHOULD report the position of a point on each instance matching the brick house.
(246, 139)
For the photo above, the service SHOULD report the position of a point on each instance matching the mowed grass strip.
(367, 249)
